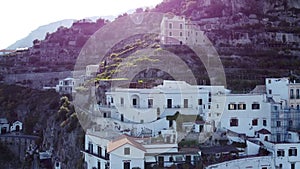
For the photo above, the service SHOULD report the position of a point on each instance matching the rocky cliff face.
(42, 115)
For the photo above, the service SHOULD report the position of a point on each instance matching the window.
(293, 151)
(242, 106)
(150, 103)
(254, 122)
(180, 34)
(134, 102)
(280, 153)
(209, 99)
(199, 101)
(170, 25)
(297, 94)
(122, 101)
(269, 81)
(90, 147)
(170, 33)
(234, 122)
(127, 151)
(280, 166)
(112, 100)
(289, 136)
(231, 106)
(99, 151)
(255, 106)
(185, 103)
(264, 122)
(99, 165)
(169, 103)
(181, 26)
(278, 137)
(270, 91)
(292, 94)
(278, 123)
(290, 123)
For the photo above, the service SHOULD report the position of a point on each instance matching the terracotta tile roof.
(124, 139)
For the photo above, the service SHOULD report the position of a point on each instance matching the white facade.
(91, 70)
(95, 153)
(16, 126)
(147, 105)
(67, 85)
(120, 160)
(4, 126)
(242, 113)
(287, 91)
(286, 154)
(178, 30)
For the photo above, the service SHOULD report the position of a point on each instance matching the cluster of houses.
(6, 127)
(143, 128)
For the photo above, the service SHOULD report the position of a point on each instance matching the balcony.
(106, 157)
(178, 106)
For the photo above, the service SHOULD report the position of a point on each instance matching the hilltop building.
(177, 30)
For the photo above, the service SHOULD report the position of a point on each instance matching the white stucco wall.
(117, 157)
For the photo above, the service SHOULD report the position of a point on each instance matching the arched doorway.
(17, 127)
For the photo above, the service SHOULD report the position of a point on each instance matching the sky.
(20, 17)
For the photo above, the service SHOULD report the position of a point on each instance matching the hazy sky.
(20, 17)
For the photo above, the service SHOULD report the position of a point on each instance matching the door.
(161, 161)
(17, 128)
(188, 159)
(126, 165)
(3, 130)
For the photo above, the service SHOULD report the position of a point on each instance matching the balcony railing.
(178, 106)
(105, 157)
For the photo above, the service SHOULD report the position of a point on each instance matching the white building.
(147, 105)
(126, 153)
(16, 126)
(68, 85)
(111, 150)
(268, 119)
(179, 30)
(4, 126)
(95, 151)
(91, 70)
(285, 91)
(242, 113)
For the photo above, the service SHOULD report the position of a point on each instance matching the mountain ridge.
(41, 32)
